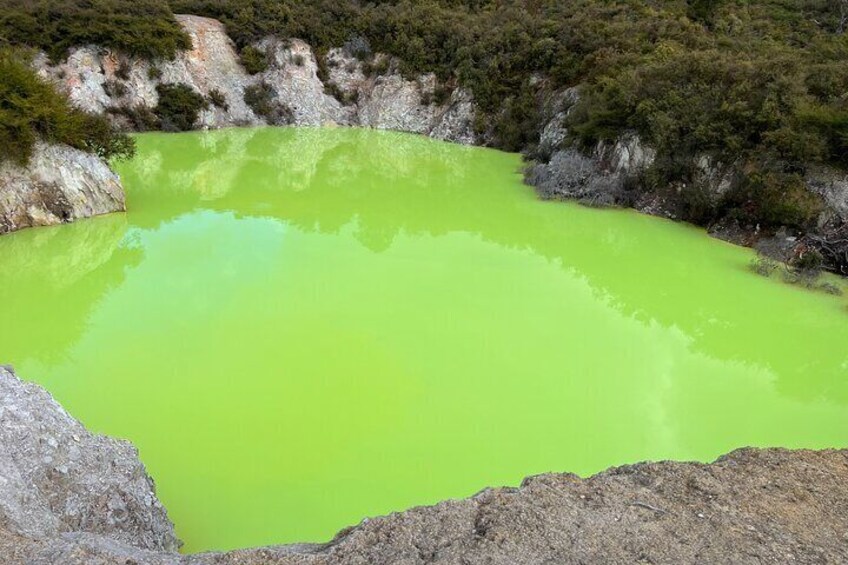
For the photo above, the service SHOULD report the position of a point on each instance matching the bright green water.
(301, 328)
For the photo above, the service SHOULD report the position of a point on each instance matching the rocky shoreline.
(60, 184)
(76, 498)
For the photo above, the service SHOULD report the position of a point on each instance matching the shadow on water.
(328, 324)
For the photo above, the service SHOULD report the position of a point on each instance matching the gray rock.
(57, 477)
(599, 177)
(832, 186)
(74, 498)
(384, 102)
(60, 184)
(293, 74)
(752, 506)
(212, 63)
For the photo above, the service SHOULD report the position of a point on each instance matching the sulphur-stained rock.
(212, 64)
(455, 122)
(75, 498)
(396, 103)
(60, 184)
(832, 186)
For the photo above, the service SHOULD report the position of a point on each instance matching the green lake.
(300, 328)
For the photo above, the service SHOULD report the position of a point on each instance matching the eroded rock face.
(57, 478)
(599, 177)
(60, 184)
(211, 64)
(384, 102)
(75, 498)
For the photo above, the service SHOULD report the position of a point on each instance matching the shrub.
(346, 98)
(262, 99)
(830, 288)
(123, 70)
(144, 28)
(179, 106)
(138, 117)
(115, 88)
(31, 109)
(810, 261)
(254, 60)
(154, 73)
(376, 67)
(773, 199)
(358, 46)
(442, 94)
(763, 266)
(217, 99)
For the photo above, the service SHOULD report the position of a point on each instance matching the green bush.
(138, 117)
(254, 60)
(179, 106)
(262, 99)
(144, 28)
(31, 109)
(217, 99)
(764, 266)
(115, 88)
(773, 199)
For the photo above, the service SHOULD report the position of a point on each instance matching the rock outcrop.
(387, 101)
(60, 184)
(609, 174)
(59, 479)
(75, 498)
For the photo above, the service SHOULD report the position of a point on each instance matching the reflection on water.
(302, 327)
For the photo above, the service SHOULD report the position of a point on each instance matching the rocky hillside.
(301, 87)
(99, 81)
(76, 498)
(612, 174)
(794, 217)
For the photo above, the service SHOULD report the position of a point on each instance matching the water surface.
(300, 328)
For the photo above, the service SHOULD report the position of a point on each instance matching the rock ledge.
(75, 498)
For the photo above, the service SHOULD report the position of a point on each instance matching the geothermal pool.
(300, 328)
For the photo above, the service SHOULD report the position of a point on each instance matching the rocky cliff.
(76, 498)
(383, 101)
(60, 184)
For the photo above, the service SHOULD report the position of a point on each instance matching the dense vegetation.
(146, 28)
(760, 84)
(31, 109)
(179, 107)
